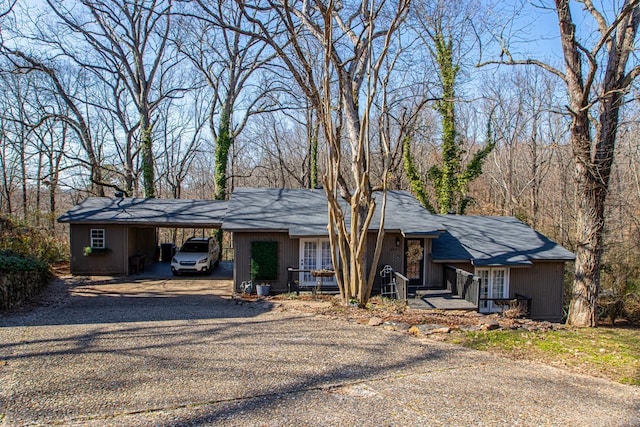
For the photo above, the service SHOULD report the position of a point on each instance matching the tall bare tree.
(74, 114)
(597, 78)
(231, 63)
(182, 127)
(129, 42)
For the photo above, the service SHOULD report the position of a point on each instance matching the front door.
(414, 261)
(494, 283)
(315, 254)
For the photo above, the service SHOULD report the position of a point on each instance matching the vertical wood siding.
(288, 255)
(114, 262)
(429, 282)
(391, 255)
(436, 272)
(142, 241)
(544, 283)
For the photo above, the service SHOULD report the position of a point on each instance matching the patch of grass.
(612, 353)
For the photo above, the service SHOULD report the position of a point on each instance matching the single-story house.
(297, 221)
(486, 260)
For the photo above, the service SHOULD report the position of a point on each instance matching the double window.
(98, 238)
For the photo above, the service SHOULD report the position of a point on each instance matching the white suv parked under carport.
(197, 255)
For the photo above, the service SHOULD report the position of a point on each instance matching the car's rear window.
(195, 247)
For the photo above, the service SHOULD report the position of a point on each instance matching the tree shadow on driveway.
(76, 301)
(91, 372)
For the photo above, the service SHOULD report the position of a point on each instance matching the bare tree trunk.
(593, 157)
(4, 166)
(23, 175)
(535, 172)
(333, 84)
(37, 212)
(129, 179)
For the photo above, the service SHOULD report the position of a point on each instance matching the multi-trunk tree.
(350, 43)
(127, 44)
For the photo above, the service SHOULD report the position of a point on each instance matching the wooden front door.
(414, 261)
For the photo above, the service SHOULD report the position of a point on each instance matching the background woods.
(190, 99)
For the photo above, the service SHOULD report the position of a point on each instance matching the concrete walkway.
(182, 352)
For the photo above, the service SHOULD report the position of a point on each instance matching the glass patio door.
(493, 284)
(315, 254)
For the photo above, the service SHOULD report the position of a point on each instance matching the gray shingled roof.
(483, 240)
(304, 212)
(152, 212)
(493, 240)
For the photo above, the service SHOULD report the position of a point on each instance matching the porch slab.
(437, 299)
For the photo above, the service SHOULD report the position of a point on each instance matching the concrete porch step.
(439, 299)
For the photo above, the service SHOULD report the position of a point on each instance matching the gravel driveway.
(181, 352)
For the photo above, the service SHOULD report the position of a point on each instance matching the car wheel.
(175, 273)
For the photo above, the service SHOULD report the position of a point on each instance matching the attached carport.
(110, 236)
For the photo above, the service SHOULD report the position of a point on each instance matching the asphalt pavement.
(180, 351)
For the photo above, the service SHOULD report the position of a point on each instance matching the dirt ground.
(391, 311)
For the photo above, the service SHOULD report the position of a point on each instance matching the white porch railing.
(402, 283)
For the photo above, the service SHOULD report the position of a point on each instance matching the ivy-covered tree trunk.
(415, 180)
(221, 156)
(148, 175)
(146, 146)
(451, 178)
(224, 142)
(446, 177)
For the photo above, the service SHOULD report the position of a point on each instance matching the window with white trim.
(98, 238)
